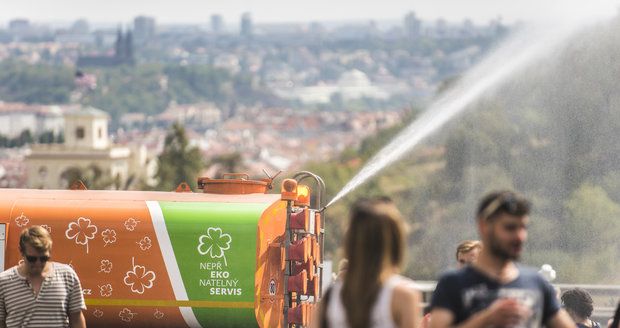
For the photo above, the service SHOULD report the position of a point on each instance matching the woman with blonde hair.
(372, 293)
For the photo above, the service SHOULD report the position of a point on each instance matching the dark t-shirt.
(467, 291)
(594, 325)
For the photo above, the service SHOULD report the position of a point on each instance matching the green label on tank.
(215, 249)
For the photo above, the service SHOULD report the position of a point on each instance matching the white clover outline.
(158, 314)
(216, 242)
(131, 223)
(145, 243)
(136, 278)
(109, 236)
(105, 290)
(106, 266)
(21, 220)
(82, 235)
(126, 315)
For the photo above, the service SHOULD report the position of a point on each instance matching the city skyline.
(279, 11)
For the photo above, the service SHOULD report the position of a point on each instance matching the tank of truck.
(162, 259)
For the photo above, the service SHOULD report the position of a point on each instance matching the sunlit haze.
(188, 11)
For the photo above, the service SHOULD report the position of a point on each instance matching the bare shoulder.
(406, 310)
(406, 291)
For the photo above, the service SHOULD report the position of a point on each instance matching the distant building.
(79, 33)
(18, 117)
(316, 28)
(20, 28)
(353, 84)
(247, 28)
(217, 24)
(144, 29)
(86, 144)
(199, 116)
(12, 168)
(80, 26)
(19, 25)
(412, 25)
(441, 28)
(123, 54)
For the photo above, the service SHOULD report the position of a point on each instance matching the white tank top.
(381, 316)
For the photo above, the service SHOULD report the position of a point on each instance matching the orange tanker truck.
(231, 256)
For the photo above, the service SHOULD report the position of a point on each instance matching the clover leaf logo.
(214, 243)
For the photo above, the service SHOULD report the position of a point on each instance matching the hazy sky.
(199, 11)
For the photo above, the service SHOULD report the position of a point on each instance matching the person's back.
(381, 315)
(371, 293)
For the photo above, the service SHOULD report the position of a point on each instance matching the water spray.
(519, 51)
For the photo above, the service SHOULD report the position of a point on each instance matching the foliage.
(44, 84)
(92, 176)
(179, 162)
(147, 88)
(227, 163)
(24, 138)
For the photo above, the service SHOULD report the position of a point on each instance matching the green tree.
(591, 214)
(23, 82)
(25, 138)
(60, 138)
(228, 163)
(92, 176)
(179, 162)
(46, 137)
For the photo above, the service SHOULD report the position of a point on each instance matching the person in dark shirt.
(494, 291)
(579, 305)
(615, 321)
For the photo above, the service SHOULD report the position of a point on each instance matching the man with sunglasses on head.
(39, 292)
(494, 291)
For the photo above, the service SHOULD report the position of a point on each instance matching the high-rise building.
(413, 25)
(144, 29)
(246, 25)
(19, 24)
(217, 24)
(80, 26)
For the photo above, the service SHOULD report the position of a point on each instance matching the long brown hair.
(374, 241)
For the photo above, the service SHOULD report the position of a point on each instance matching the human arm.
(553, 315)
(76, 320)
(316, 316)
(406, 307)
(560, 320)
(318, 319)
(76, 303)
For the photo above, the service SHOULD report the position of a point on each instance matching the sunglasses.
(33, 259)
(505, 201)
